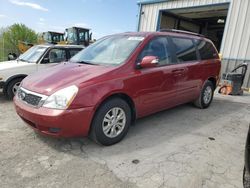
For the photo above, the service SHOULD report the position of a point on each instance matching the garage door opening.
(207, 20)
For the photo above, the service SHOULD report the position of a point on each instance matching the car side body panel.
(19, 68)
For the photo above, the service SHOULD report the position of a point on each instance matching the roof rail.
(181, 31)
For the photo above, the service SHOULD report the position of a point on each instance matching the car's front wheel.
(111, 122)
(12, 88)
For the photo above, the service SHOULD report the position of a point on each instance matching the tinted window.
(83, 36)
(73, 52)
(206, 49)
(57, 55)
(157, 47)
(185, 49)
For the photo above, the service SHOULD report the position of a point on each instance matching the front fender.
(94, 95)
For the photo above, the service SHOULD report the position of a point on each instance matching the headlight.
(62, 98)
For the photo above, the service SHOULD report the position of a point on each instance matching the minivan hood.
(50, 80)
(12, 64)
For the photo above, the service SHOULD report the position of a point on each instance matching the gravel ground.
(181, 147)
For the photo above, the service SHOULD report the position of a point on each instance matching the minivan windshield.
(33, 54)
(112, 50)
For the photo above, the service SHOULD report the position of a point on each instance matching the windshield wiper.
(85, 62)
(23, 60)
(18, 59)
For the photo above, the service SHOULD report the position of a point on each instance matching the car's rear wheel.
(12, 88)
(206, 95)
(111, 122)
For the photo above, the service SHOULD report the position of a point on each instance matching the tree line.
(10, 36)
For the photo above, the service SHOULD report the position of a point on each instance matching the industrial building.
(225, 22)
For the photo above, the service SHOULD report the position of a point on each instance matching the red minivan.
(120, 78)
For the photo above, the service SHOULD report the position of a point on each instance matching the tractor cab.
(52, 37)
(78, 36)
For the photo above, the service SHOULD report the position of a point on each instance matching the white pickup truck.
(36, 58)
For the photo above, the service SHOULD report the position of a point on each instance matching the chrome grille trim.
(28, 92)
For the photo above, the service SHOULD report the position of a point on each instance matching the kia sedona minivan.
(116, 80)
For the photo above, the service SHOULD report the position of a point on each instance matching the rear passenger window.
(185, 49)
(73, 52)
(157, 47)
(206, 50)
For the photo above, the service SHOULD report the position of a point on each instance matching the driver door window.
(157, 47)
(57, 55)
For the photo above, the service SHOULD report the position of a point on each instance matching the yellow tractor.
(51, 37)
(77, 36)
(24, 46)
(73, 35)
(48, 37)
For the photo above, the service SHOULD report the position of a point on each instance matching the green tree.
(13, 34)
(2, 50)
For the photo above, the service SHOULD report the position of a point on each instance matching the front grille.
(32, 99)
(29, 97)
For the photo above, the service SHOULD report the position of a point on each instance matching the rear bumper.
(56, 123)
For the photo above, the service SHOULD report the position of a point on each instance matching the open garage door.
(207, 20)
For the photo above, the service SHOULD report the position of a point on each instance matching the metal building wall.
(236, 43)
(149, 18)
(236, 40)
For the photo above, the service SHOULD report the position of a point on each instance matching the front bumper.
(57, 123)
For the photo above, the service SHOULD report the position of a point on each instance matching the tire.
(104, 118)
(12, 88)
(246, 179)
(206, 96)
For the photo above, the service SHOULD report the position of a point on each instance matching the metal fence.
(4, 54)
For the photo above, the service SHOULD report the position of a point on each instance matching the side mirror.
(45, 60)
(149, 61)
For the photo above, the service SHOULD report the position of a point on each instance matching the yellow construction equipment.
(24, 46)
(51, 37)
(77, 36)
(73, 35)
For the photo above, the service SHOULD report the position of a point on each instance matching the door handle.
(178, 70)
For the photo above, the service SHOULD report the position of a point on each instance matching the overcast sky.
(102, 16)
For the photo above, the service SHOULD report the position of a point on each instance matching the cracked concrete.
(180, 147)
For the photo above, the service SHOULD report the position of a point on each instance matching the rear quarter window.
(185, 49)
(206, 50)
